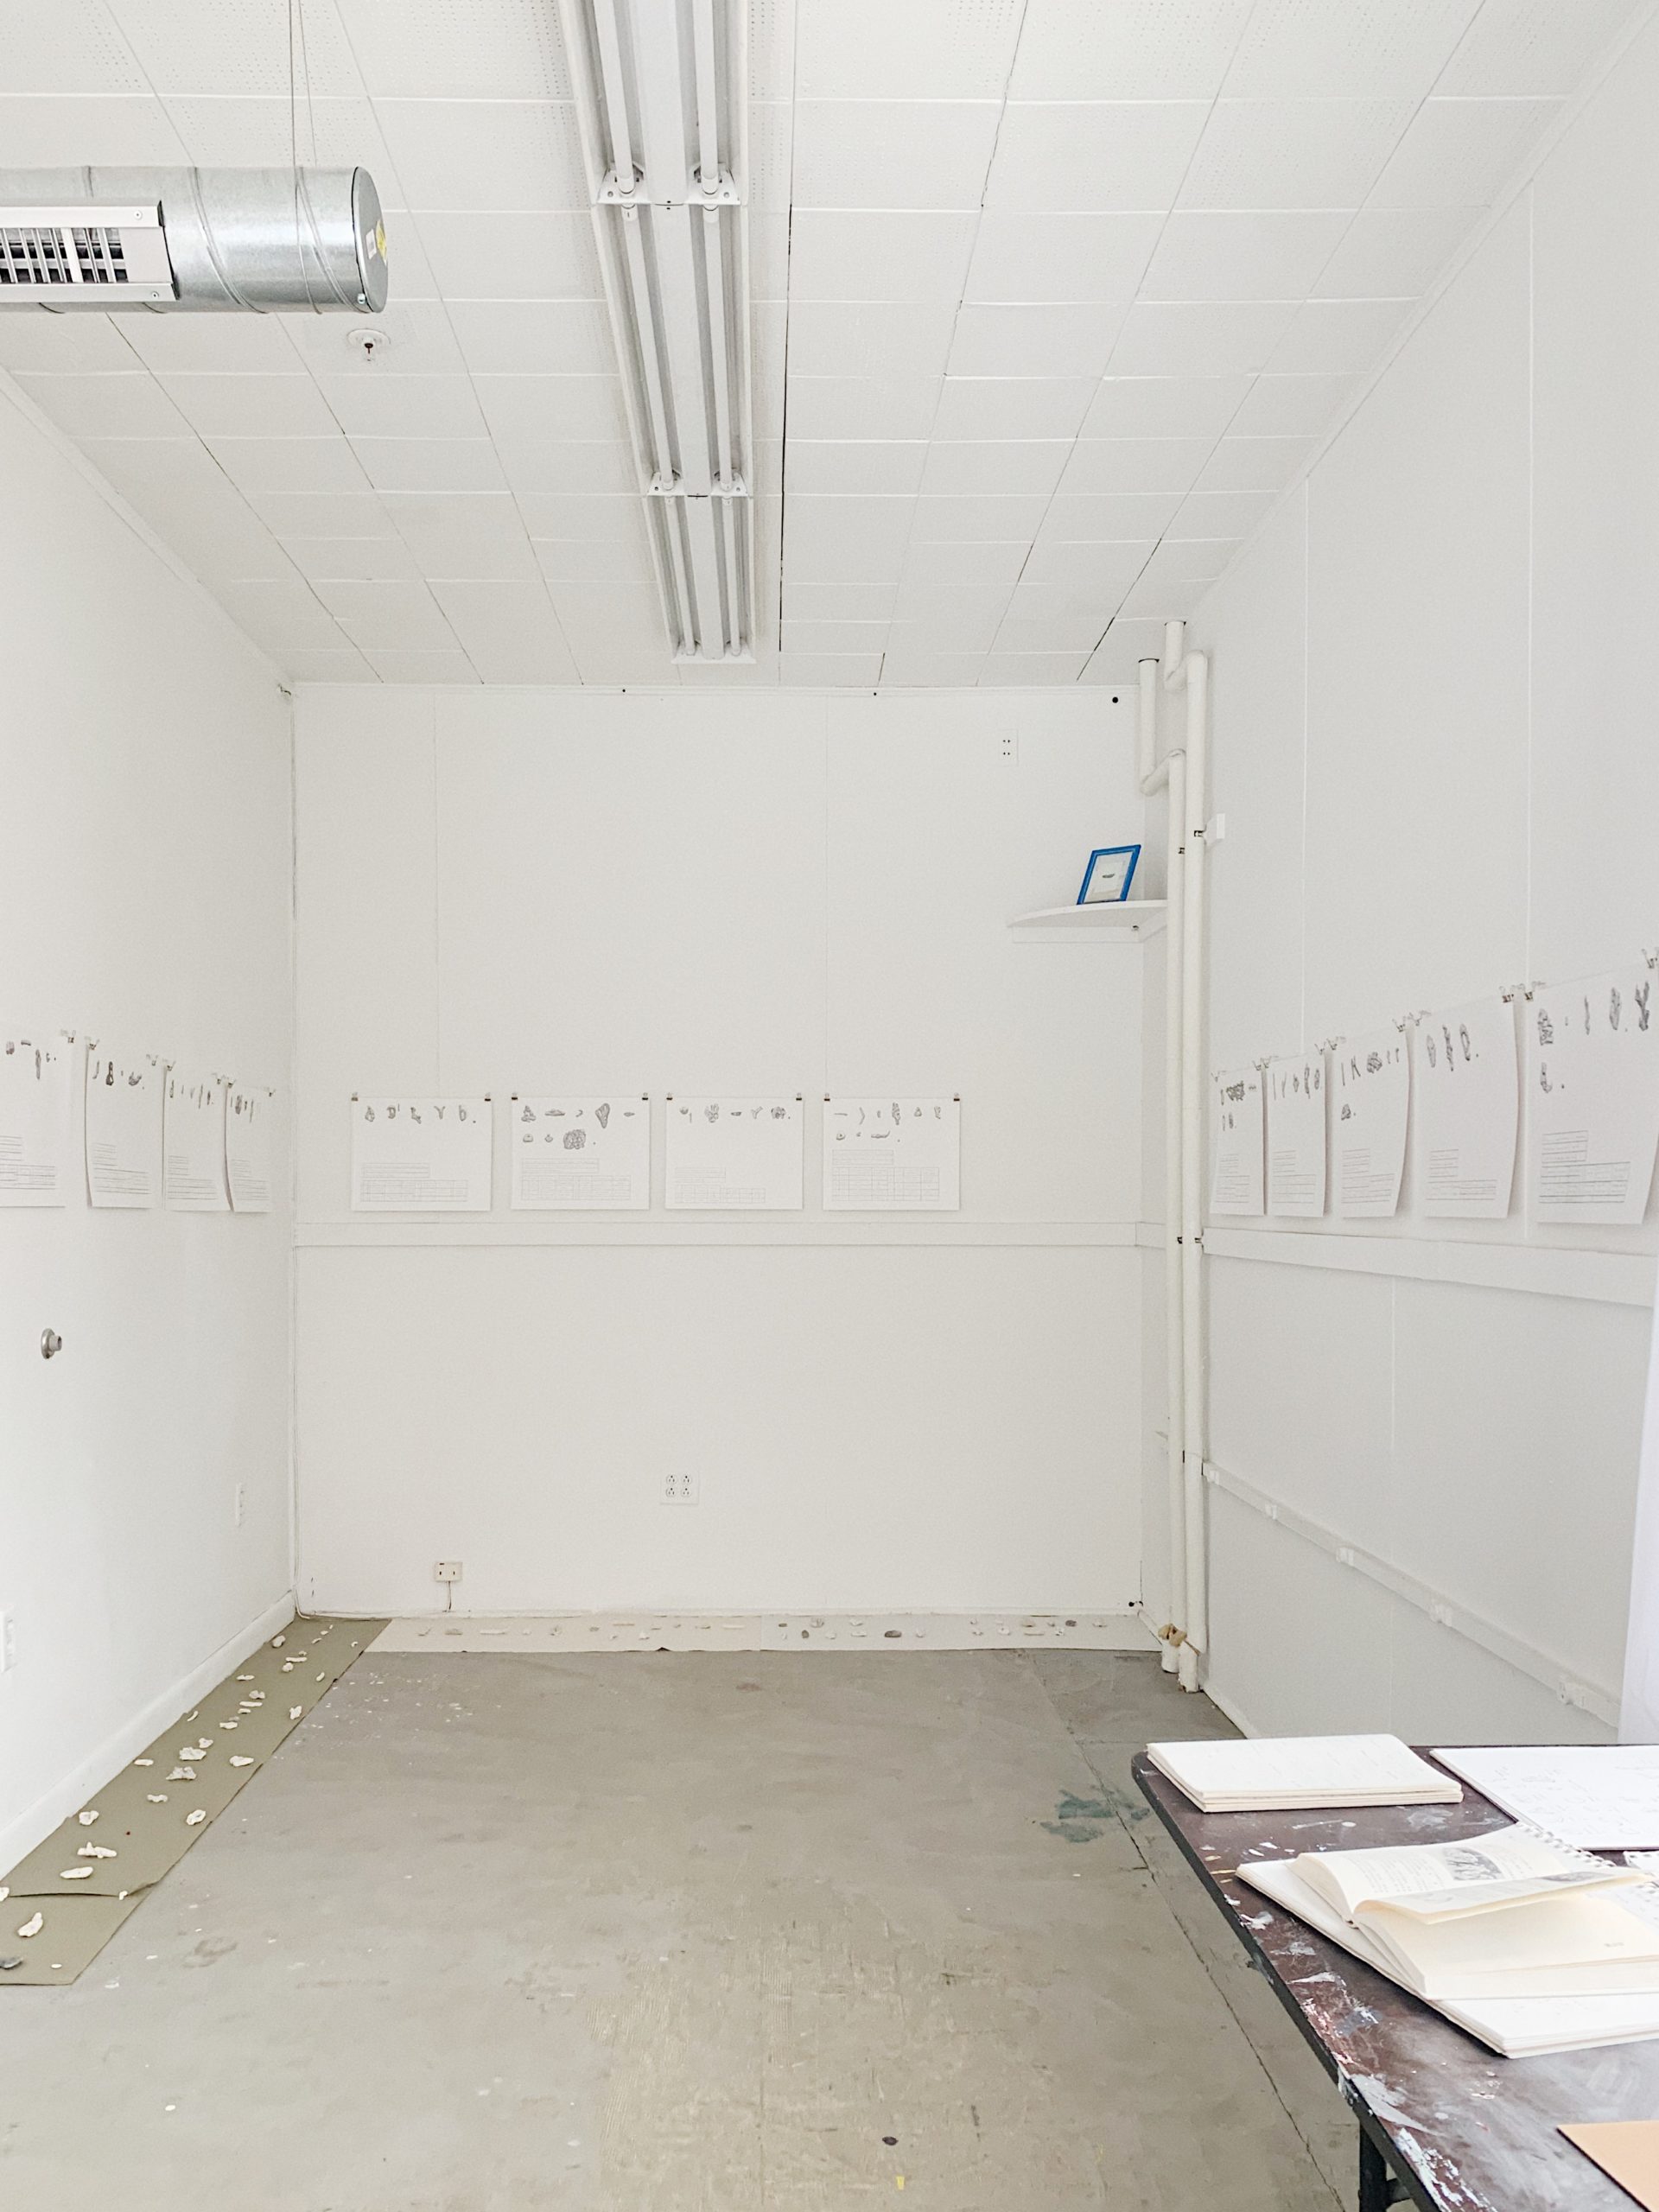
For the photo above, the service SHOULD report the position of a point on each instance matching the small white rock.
(85, 1819)
(32, 1927)
(77, 1873)
(95, 1850)
(158, 1797)
(242, 1761)
(194, 1820)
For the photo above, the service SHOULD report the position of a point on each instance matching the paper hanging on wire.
(1295, 1136)
(248, 1116)
(736, 1155)
(590, 1154)
(892, 1155)
(1467, 1097)
(123, 1127)
(422, 1155)
(36, 1120)
(1371, 1115)
(1592, 1099)
(1236, 1180)
(193, 1143)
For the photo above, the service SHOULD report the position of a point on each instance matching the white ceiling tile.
(845, 540)
(1517, 47)
(301, 665)
(430, 464)
(1273, 154)
(522, 408)
(379, 614)
(1056, 633)
(259, 132)
(229, 344)
(621, 613)
(990, 465)
(466, 533)
(838, 602)
(1214, 338)
(1307, 48)
(369, 559)
(769, 231)
(1129, 467)
(289, 464)
(893, 153)
(394, 667)
(979, 518)
(321, 514)
(1104, 155)
(1052, 255)
(1254, 464)
(508, 631)
(1077, 599)
(1164, 407)
(234, 50)
(208, 523)
(519, 156)
(1166, 598)
(1393, 253)
(288, 613)
(74, 42)
(884, 339)
(537, 468)
(582, 560)
(1102, 518)
(539, 256)
(1222, 514)
(416, 340)
(1242, 255)
(1334, 337)
(974, 562)
(1129, 642)
(540, 337)
(765, 470)
(509, 50)
(59, 344)
(375, 400)
(607, 518)
(1181, 560)
(832, 637)
(1132, 50)
(1108, 567)
(251, 405)
(949, 605)
(849, 464)
(831, 671)
(863, 254)
(925, 50)
(130, 404)
(967, 632)
(1291, 407)
(770, 152)
(862, 407)
(913, 668)
(104, 132)
(1460, 153)
(1035, 341)
(1032, 668)
(1012, 407)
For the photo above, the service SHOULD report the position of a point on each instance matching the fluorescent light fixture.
(662, 89)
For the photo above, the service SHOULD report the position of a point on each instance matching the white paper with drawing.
(892, 1155)
(1371, 1110)
(421, 1155)
(192, 1142)
(1467, 1097)
(592, 1154)
(1236, 1184)
(248, 1116)
(1592, 1072)
(736, 1155)
(36, 1120)
(123, 1127)
(1295, 1127)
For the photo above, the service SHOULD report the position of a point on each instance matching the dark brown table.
(1444, 2123)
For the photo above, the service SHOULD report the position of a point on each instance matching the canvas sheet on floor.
(36, 1120)
(1295, 1136)
(248, 1116)
(1237, 1182)
(1370, 1083)
(422, 1155)
(193, 1143)
(1467, 1097)
(123, 1127)
(736, 1155)
(892, 1155)
(591, 1154)
(1592, 1072)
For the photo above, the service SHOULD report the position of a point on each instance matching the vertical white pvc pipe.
(1195, 670)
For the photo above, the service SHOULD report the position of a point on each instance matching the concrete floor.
(694, 1933)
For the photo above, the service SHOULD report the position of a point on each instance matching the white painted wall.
(144, 758)
(1433, 746)
(521, 890)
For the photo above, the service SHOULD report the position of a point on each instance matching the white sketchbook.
(736, 1155)
(1593, 1073)
(1295, 1127)
(247, 1148)
(1596, 1796)
(1467, 1097)
(892, 1155)
(422, 1155)
(36, 1121)
(592, 1155)
(1236, 1184)
(123, 1127)
(1371, 1111)
(1272, 1773)
(193, 1143)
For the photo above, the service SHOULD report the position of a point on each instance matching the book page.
(36, 1121)
(422, 1155)
(892, 1155)
(1295, 1136)
(1351, 1878)
(1592, 1069)
(1369, 1083)
(1238, 1184)
(193, 1143)
(247, 1148)
(123, 1127)
(1465, 1091)
(590, 1154)
(1306, 1769)
(1594, 1796)
(736, 1155)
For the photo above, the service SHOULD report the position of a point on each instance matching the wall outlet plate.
(445, 1570)
(681, 1486)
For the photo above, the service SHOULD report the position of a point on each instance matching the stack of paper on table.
(1275, 1774)
(1600, 1796)
(1530, 1945)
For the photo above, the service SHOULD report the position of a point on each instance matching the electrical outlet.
(680, 1487)
(445, 1570)
(1007, 745)
(239, 1504)
(7, 1642)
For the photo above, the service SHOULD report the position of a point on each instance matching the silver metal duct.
(264, 240)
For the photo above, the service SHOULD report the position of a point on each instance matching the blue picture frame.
(1130, 853)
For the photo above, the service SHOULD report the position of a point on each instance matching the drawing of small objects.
(438, 1110)
(462, 1114)
(414, 1114)
(108, 1079)
(1544, 1083)
(602, 1115)
(1587, 1015)
(527, 1113)
(1546, 1027)
(755, 1113)
(574, 1140)
(781, 1113)
(1451, 1062)
(1644, 991)
(1429, 1039)
(1463, 1038)
(1615, 1007)
(391, 1113)
(1347, 1111)
(556, 1113)
(1373, 1063)
(528, 1137)
(938, 1113)
(711, 1114)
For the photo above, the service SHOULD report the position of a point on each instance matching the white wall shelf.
(1129, 919)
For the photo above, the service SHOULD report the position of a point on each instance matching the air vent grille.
(75, 253)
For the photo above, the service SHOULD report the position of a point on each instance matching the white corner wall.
(144, 757)
(1433, 745)
(520, 890)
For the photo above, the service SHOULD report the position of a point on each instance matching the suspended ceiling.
(1052, 298)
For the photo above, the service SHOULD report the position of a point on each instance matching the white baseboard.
(1222, 1703)
(19, 1834)
(717, 1631)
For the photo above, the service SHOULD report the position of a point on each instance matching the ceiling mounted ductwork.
(264, 241)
